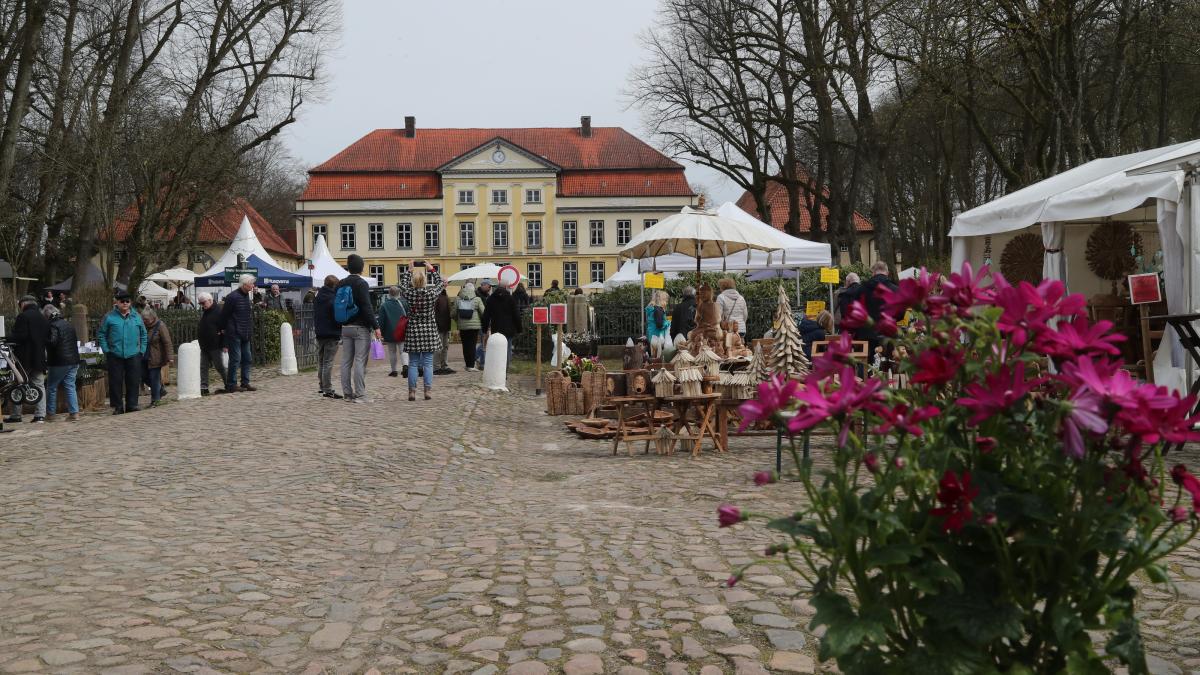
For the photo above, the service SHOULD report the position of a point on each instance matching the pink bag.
(376, 350)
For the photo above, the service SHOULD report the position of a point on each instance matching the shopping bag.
(376, 350)
(225, 360)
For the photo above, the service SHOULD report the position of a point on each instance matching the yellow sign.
(831, 275)
(907, 318)
(814, 307)
(655, 280)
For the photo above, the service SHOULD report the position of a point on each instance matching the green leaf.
(933, 577)
(1066, 623)
(1157, 574)
(1085, 664)
(975, 617)
(895, 554)
(844, 630)
(1126, 644)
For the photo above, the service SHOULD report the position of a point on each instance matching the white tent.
(628, 274)
(789, 252)
(175, 275)
(488, 271)
(154, 292)
(322, 265)
(1150, 188)
(247, 244)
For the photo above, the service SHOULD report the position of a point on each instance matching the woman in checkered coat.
(421, 287)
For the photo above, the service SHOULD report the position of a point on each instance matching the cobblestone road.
(281, 532)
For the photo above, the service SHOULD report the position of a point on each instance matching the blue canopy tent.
(268, 274)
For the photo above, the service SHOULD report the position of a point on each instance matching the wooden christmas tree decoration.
(787, 356)
(691, 380)
(759, 372)
(664, 383)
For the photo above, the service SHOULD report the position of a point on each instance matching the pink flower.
(1179, 514)
(962, 290)
(851, 395)
(1188, 482)
(1027, 309)
(774, 395)
(729, 515)
(886, 325)
(955, 494)
(908, 294)
(904, 419)
(986, 444)
(835, 358)
(937, 366)
(856, 317)
(732, 580)
(764, 478)
(1077, 338)
(899, 462)
(1084, 416)
(871, 461)
(999, 391)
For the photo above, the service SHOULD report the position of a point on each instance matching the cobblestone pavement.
(280, 532)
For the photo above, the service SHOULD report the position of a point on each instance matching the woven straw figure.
(787, 357)
(691, 380)
(683, 359)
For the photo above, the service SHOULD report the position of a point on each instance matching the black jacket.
(844, 298)
(441, 312)
(810, 331)
(871, 296)
(30, 334)
(323, 322)
(521, 298)
(683, 318)
(500, 314)
(63, 346)
(237, 320)
(209, 330)
(362, 299)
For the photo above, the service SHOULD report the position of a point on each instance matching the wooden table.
(628, 433)
(706, 417)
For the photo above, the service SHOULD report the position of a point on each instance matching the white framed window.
(500, 234)
(533, 196)
(533, 274)
(466, 196)
(649, 223)
(598, 271)
(432, 236)
(570, 234)
(499, 196)
(533, 234)
(624, 232)
(348, 236)
(198, 257)
(376, 273)
(374, 235)
(844, 248)
(465, 266)
(466, 235)
(596, 232)
(403, 235)
(570, 274)
(118, 255)
(320, 230)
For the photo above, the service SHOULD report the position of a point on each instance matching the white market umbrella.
(594, 286)
(481, 271)
(628, 274)
(176, 275)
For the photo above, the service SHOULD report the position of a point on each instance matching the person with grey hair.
(62, 363)
(122, 338)
(393, 308)
(845, 295)
(208, 334)
(237, 324)
(30, 334)
(159, 352)
(683, 318)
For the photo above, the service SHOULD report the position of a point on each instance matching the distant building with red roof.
(558, 203)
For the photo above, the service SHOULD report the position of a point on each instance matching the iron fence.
(305, 332)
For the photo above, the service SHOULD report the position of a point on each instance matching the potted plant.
(995, 511)
(577, 365)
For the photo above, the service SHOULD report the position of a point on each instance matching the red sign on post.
(541, 315)
(1144, 289)
(558, 313)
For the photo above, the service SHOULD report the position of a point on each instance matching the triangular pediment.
(498, 156)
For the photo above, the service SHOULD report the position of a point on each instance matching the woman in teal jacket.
(123, 338)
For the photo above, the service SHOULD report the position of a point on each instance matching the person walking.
(873, 300)
(123, 339)
(357, 330)
(421, 287)
(159, 352)
(274, 298)
(683, 319)
(469, 313)
(208, 334)
(733, 305)
(237, 324)
(30, 334)
(329, 333)
(441, 312)
(500, 315)
(393, 308)
(62, 361)
(844, 296)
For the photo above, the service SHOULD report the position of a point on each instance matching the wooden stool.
(625, 430)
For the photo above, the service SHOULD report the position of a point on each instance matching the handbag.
(399, 332)
(376, 350)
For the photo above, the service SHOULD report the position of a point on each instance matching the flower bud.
(1178, 514)
(733, 579)
(986, 444)
(728, 514)
(765, 478)
(775, 549)
(871, 461)
(989, 519)
(899, 462)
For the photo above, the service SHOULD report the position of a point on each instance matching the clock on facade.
(498, 156)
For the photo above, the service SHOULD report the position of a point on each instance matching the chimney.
(585, 126)
(410, 127)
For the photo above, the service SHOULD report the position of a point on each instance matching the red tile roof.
(350, 186)
(777, 200)
(623, 184)
(220, 227)
(429, 149)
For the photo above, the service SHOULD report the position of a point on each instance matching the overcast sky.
(481, 63)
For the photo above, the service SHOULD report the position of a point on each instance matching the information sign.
(831, 275)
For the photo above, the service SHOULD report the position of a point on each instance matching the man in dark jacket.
(683, 319)
(356, 333)
(329, 333)
(237, 324)
(870, 294)
(441, 314)
(31, 332)
(847, 294)
(208, 333)
(500, 315)
(484, 290)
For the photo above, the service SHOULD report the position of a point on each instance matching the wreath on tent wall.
(1112, 251)
(1021, 259)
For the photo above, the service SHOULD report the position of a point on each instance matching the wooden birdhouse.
(725, 384)
(741, 385)
(664, 383)
(691, 380)
(683, 359)
(709, 361)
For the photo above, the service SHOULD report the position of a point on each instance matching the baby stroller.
(14, 380)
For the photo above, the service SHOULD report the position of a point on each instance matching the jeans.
(64, 375)
(468, 338)
(424, 361)
(124, 379)
(396, 354)
(326, 350)
(210, 359)
(239, 354)
(17, 409)
(439, 356)
(154, 380)
(356, 348)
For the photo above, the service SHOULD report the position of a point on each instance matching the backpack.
(344, 308)
(466, 309)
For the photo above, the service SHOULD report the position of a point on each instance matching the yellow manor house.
(557, 203)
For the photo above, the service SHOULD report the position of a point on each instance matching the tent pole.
(798, 287)
(643, 307)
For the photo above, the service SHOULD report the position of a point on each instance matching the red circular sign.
(508, 276)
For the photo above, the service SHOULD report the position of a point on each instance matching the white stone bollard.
(287, 351)
(187, 371)
(495, 366)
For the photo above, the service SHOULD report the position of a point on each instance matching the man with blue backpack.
(352, 308)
